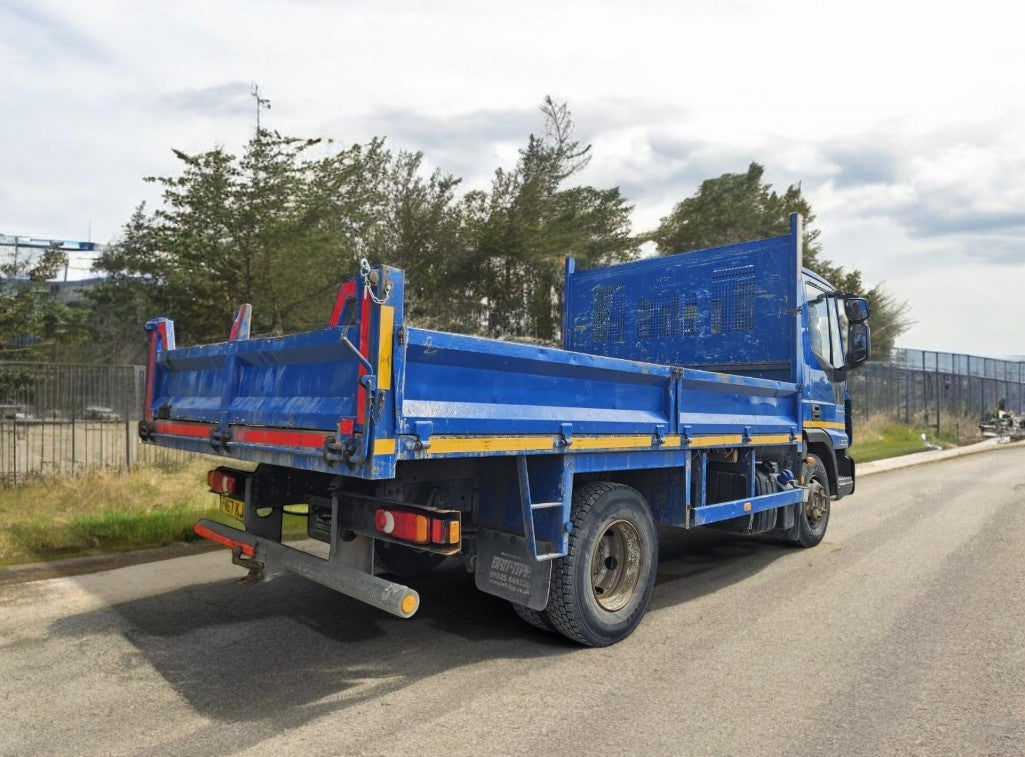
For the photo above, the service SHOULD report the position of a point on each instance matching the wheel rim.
(615, 566)
(817, 508)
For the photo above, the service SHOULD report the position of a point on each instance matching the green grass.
(100, 512)
(879, 438)
(114, 531)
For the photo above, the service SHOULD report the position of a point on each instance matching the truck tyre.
(537, 618)
(601, 588)
(813, 517)
(406, 562)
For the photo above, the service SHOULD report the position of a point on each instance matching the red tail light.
(444, 531)
(222, 482)
(402, 525)
(416, 528)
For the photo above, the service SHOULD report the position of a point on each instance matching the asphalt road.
(902, 633)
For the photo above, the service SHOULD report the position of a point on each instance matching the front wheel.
(813, 517)
(601, 588)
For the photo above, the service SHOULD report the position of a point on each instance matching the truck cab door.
(825, 367)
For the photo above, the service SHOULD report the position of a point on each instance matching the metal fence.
(923, 388)
(61, 419)
(58, 419)
(34, 448)
(62, 391)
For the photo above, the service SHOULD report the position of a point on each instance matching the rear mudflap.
(507, 569)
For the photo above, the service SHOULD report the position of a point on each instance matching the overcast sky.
(903, 122)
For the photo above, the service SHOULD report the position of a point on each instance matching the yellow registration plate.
(232, 507)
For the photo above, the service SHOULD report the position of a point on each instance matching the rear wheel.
(813, 517)
(601, 589)
(537, 618)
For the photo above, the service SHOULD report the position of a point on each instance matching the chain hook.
(368, 274)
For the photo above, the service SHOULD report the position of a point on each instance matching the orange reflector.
(444, 531)
(747, 507)
(409, 603)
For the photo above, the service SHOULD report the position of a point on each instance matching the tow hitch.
(266, 560)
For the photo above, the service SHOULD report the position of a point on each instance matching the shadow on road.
(280, 654)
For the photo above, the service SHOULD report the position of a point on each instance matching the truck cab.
(836, 341)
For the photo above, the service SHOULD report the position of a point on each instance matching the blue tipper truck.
(699, 389)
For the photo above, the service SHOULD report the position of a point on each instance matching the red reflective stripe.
(183, 429)
(206, 533)
(279, 437)
(364, 348)
(345, 426)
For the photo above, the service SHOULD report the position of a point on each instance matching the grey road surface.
(903, 633)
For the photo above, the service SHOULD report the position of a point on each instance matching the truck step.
(544, 505)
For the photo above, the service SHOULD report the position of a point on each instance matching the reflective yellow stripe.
(384, 446)
(611, 442)
(384, 347)
(772, 439)
(825, 424)
(737, 441)
(441, 445)
(444, 445)
(731, 440)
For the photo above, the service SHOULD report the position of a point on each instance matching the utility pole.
(261, 104)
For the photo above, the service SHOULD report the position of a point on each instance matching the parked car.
(15, 412)
(98, 413)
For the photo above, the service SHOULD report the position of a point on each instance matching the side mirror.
(856, 309)
(859, 344)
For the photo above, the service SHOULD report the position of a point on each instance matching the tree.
(32, 320)
(421, 231)
(739, 207)
(279, 229)
(526, 226)
(275, 228)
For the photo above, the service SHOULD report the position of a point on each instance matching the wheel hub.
(818, 503)
(615, 566)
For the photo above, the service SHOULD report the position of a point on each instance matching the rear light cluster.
(222, 482)
(415, 527)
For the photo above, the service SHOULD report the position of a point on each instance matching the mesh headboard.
(729, 309)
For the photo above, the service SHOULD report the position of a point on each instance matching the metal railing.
(34, 448)
(60, 419)
(920, 387)
(62, 391)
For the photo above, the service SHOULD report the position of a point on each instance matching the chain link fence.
(929, 389)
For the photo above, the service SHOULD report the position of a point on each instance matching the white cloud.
(902, 126)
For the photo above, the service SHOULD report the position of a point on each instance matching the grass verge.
(104, 512)
(880, 437)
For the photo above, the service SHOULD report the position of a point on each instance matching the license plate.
(232, 507)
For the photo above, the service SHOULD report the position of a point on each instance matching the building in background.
(24, 249)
